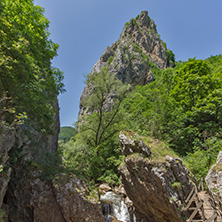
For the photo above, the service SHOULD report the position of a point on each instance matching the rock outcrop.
(158, 187)
(66, 199)
(75, 200)
(214, 179)
(24, 142)
(28, 191)
(32, 199)
(7, 141)
(132, 58)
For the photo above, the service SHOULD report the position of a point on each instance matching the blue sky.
(84, 28)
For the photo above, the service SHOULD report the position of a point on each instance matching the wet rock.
(103, 188)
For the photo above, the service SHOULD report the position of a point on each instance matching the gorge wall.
(29, 193)
(152, 190)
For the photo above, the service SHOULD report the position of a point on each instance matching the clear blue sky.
(84, 28)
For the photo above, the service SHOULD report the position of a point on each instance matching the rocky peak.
(133, 57)
(129, 57)
(142, 32)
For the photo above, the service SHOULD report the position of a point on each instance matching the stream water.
(114, 205)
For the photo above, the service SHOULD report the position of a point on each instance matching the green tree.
(198, 98)
(193, 82)
(103, 105)
(66, 133)
(26, 52)
(99, 126)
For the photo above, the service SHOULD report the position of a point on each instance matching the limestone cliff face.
(27, 195)
(20, 145)
(157, 188)
(214, 180)
(65, 199)
(131, 57)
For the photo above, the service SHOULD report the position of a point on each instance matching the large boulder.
(156, 183)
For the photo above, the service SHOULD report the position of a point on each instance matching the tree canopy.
(26, 73)
(95, 151)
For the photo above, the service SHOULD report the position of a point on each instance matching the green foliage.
(127, 25)
(66, 133)
(50, 163)
(25, 57)
(177, 185)
(8, 116)
(110, 59)
(95, 151)
(170, 58)
(104, 101)
(183, 107)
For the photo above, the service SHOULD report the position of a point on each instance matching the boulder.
(157, 187)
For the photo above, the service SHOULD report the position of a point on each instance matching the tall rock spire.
(131, 57)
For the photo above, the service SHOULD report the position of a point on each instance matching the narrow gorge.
(126, 176)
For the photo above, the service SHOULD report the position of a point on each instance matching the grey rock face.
(130, 58)
(214, 178)
(130, 146)
(18, 146)
(64, 200)
(73, 197)
(7, 141)
(156, 188)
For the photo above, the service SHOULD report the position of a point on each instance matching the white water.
(120, 210)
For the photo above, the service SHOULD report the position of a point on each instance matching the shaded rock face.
(63, 200)
(130, 58)
(32, 199)
(73, 197)
(214, 178)
(7, 141)
(157, 189)
(21, 144)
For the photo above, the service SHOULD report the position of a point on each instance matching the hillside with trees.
(181, 107)
(145, 120)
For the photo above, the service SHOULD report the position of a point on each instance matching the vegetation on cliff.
(27, 77)
(95, 152)
(181, 105)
